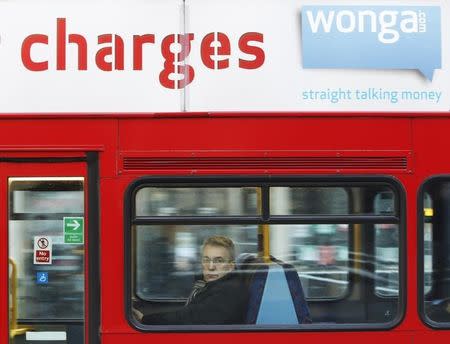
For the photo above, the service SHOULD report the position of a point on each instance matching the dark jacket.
(223, 301)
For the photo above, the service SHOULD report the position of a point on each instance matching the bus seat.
(245, 260)
(246, 264)
(276, 295)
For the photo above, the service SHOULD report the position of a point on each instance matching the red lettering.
(244, 46)
(61, 44)
(80, 41)
(43, 259)
(184, 69)
(100, 57)
(42, 256)
(183, 73)
(215, 53)
(208, 50)
(169, 62)
(26, 53)
(138, 42)
(61, 47)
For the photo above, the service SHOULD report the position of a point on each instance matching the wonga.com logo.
(382, 37)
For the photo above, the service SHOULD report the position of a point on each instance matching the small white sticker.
(47, 335)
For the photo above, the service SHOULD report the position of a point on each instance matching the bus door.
(44, 248)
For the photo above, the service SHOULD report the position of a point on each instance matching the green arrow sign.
(73, 230)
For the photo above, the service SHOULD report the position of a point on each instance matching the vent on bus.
(398, 163)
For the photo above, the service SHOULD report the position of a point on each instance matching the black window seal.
(45, 216)
(421, 218)
(324, 219)
(237, 181)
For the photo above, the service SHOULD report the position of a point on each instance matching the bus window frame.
(421, 253)
(265, 182)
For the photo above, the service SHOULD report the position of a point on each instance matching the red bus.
(356, 203)
(131, 132)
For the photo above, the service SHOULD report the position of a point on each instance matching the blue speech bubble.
(372, 37)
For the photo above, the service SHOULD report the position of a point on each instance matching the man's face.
(216, 262)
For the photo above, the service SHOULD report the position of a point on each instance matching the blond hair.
(222, 241)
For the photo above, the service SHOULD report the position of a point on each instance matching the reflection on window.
(308, 200)
(328, 201)
(343, 265)
(386, 259)
(319, 252)
(168, 257)
(36, 202)
(427, 242)
(37, 208)
(154, 201)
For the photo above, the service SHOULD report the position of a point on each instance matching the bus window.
(342, 239)
(435, 232)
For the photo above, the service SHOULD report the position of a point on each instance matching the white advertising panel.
(83, 56)
(215, 55)
(345, 70)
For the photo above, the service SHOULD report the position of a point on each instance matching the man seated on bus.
(220, 297)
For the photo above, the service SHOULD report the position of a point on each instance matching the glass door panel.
(46, 250)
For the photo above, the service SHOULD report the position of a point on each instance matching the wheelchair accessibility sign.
(42, 277)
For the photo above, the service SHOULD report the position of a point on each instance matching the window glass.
(201, 201)
(308, 200)
(436, 255)
(329, 201)
(386, 247)
(428, 242)
(168, 257)
(340, 266)
(320, 254)
(37, 202)
(386, 259)
(37, 209)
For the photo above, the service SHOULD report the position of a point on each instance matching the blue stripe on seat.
(276, 304)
